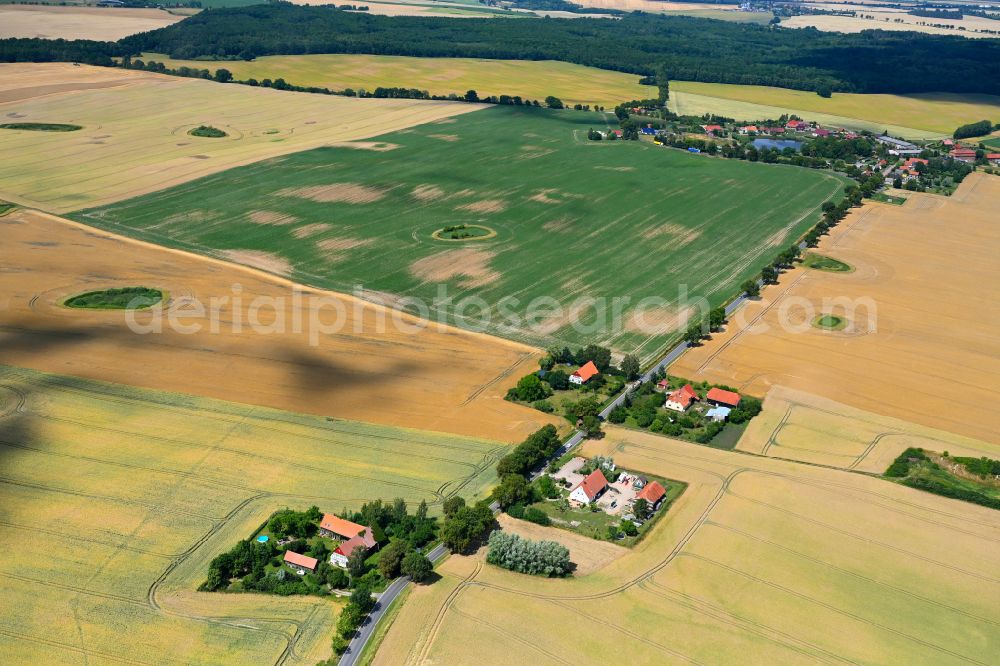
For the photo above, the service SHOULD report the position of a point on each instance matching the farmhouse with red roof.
(653, 493)
(712, 129)
(590, 488)
(300, 563)
(717, 396)
(586, 371)
(681, 399)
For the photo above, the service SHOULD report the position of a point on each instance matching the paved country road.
(357, 644)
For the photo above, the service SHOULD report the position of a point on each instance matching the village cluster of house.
(680, 400)
(351, 536)
(801, 126)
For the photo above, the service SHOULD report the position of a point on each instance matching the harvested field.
(574, 84)
(118, 499)
(911, 338)
(924, 116)
(134, 138)
(801, 426)
(371, 370)
(760, 561)
(102, 24)
(665, 214)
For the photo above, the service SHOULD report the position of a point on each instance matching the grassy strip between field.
(42, 127)
(6, 207)
(119, 298)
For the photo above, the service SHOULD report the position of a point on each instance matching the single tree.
(417, 566)
(630, 367)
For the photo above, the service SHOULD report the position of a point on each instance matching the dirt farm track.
(440, 379)
(929, 274)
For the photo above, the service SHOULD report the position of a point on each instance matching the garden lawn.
(574, 220)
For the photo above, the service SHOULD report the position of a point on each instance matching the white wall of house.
(676, 406)
(579, 496)
(338, 560)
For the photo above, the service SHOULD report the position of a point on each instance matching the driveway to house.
(364, 634)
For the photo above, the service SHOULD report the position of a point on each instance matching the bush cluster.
(540, 558)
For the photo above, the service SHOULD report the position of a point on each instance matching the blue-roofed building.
(718, 413)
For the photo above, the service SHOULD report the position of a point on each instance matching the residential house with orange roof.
(681, 399)
(584, 374)
(653, 493)
(592, 487)
(300, 564)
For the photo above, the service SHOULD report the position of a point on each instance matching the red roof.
(993, 156)
(796, 123)
(353, 544)
(586, 371)
(652, 493)
(963, 152)
(593, 484)
(339, 526)
(303, 561)
(712, 128)
(723, 396)
(683, 396)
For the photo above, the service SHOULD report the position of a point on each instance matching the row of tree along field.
(683, 48)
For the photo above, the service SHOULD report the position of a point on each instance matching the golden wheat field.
(378, 365)
(920, 343)
(117, 498)
(871, 18)
(97, 23)
(135, 130)
(440, 76)
(760, 561)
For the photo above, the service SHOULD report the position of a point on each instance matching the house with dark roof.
(592, 487)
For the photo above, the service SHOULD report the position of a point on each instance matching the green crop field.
(574, 220)
(114, 500)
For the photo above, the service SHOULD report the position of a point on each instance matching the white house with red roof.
(592, 487)
(300, 564)
(712, 129)
(797, 125)
(584, 374)
(747, 129)
(681, 399)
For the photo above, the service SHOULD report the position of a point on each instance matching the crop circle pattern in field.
(430, 233)
(441, 234)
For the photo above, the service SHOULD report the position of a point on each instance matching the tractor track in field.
(834, 609)
(726, 617)
(854, 574)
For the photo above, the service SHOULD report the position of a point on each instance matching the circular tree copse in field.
(464, 232)
(822, 263)
(116, 298)
(42, 127)
(829, 322)
(208, 132)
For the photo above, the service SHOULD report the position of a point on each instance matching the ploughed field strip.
(573, 219)
(118, 498)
